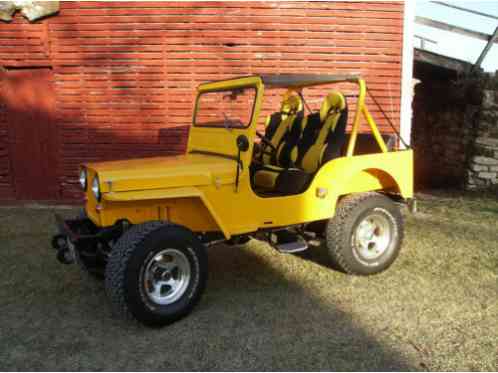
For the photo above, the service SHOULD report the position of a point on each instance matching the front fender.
(187, 206)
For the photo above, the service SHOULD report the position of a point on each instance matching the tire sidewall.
(140, 305)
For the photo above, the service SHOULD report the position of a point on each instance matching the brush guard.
(80, 240)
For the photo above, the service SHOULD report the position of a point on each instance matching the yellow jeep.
(147, 222)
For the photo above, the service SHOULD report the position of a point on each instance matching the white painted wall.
(407, 71)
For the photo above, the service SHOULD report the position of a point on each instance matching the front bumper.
(80, 240)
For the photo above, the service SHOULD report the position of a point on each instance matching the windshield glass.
(228, 108)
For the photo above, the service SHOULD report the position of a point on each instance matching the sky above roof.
(455, 45)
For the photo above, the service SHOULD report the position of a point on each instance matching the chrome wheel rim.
(372, 237)
(167, 276)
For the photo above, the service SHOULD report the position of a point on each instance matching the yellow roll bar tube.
(374, 129)
(362, 109)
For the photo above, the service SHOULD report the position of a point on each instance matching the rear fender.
(392, 171)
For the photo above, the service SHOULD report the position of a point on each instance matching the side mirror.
(242, 143)
(242, 146)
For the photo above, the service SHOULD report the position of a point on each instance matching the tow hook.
(64, 254)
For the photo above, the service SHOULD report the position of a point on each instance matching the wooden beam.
(486, 49)
(465, 9)
(452, 28)
(442, 61)
(425, 39)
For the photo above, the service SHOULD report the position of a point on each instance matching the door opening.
(30, 111)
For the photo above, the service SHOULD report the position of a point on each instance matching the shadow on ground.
(254, 316)
(435, 309)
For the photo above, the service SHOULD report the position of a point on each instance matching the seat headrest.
(291, 103)
(334, 101)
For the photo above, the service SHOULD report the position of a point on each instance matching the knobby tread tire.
(338, 230)
(116, 265)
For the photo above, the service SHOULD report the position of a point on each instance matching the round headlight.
(83, 177)
(96, 187)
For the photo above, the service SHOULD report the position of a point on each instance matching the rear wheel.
(156, 273)
(365, 235)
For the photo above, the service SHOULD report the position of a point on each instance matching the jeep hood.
(164, 172)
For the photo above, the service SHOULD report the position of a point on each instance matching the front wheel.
(365, 235)
(156, 273)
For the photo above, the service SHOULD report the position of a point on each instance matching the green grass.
(435, 309)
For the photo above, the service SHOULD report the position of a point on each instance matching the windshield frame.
(228, 90)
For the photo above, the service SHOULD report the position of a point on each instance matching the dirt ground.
(435, 309)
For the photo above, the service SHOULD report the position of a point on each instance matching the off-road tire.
(125, 268)
(350, 211)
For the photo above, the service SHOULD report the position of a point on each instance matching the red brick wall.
(5, 174)
(125, 73)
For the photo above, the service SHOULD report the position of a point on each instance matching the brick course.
(125, 73)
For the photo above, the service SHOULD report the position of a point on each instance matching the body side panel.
(220, 207)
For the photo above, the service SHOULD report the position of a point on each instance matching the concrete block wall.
(483, 163)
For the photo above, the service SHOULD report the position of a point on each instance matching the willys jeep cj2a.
(147, 223)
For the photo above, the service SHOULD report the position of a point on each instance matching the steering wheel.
(266, 144)
(266, 141)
